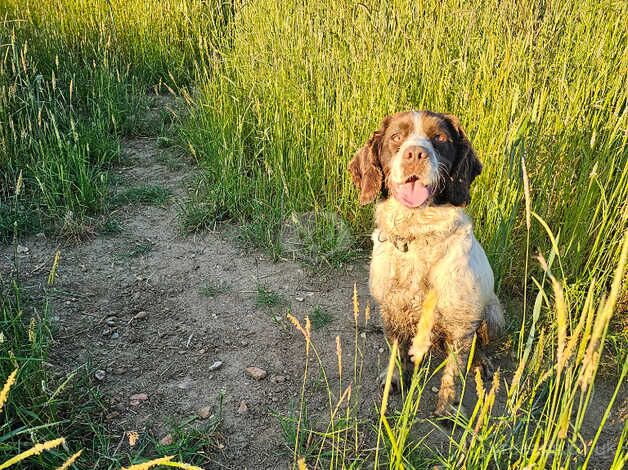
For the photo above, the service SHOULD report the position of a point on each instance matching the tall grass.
(280, 112)
(532, 417)
(73, 75)
(40, 407)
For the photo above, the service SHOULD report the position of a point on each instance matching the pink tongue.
(412, 194)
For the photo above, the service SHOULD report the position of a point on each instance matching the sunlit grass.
(277, 115)
(539, 423)
(281, 95)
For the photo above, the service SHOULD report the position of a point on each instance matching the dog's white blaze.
(418, 137)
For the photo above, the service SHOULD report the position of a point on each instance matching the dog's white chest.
(397, 267)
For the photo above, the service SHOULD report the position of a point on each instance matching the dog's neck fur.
(397, 222)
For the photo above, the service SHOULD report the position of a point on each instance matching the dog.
(421, 165)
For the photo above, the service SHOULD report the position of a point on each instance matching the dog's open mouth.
(412, 193)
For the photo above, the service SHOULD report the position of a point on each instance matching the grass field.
(278, 96)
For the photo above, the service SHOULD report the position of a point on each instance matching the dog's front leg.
(456, 360)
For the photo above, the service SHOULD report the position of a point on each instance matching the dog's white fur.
(442, 252)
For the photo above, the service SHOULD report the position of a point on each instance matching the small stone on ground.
(255, 373)
(166, 440)
(204, 412)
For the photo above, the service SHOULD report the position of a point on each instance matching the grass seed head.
(7, 387)
(356, 304)
(68, 463)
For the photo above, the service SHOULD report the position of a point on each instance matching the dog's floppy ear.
(365, 167)
(464, 169)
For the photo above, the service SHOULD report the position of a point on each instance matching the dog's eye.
(395, 137)
(440, 138)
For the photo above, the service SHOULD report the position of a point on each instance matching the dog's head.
(419, 158)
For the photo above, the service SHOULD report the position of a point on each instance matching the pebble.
(243, 408)
(204, 412)
(202, 351)
(100, 374)
(106, 332)
(278, 379)
(111, 321)
(141, 315)
(185, 383)
(255, 373)
(138, 397)
(381, 350)
(115, 335)
(434, 389)
(21, 249)
(300, 299)
(215, 366)
(119, 371)
(166, 440)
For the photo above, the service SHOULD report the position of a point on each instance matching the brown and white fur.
(431, 246)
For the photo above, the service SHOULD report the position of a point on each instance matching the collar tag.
(401, 246)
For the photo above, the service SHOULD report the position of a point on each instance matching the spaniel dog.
(421, 164)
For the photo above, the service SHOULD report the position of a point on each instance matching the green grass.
(538, 423)
(137, 248)
(143, 194)
(268, 298)
(280, 96)
(212, 289)
(72, 83)
(273, 131)
(320, 318)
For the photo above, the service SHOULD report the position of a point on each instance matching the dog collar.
(400, 243)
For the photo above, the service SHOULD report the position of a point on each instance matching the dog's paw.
(395, 382)
(485, 367)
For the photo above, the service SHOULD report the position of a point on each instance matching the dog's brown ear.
(365, 167)
(464, 169)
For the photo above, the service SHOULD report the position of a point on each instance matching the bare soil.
(154, 309)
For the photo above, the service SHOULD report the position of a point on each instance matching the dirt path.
(152, 310)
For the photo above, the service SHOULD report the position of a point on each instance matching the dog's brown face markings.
(423, 146)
